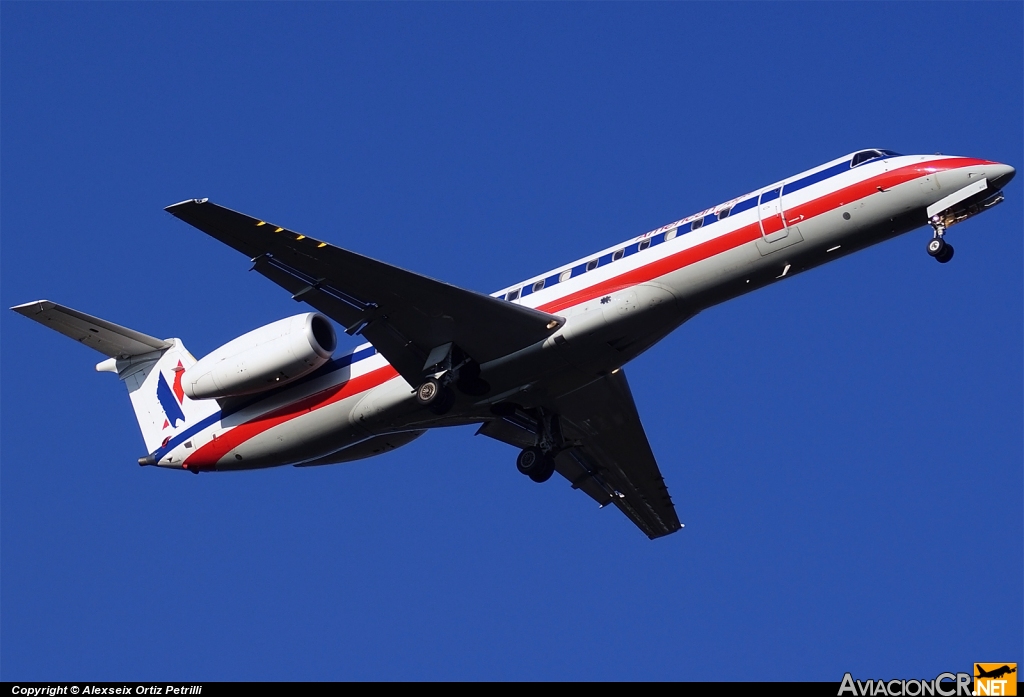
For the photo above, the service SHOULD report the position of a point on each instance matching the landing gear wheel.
(946, 255)
(535, 464)
(443, 403)
(529, 460)
(434, 397)
(936, 247)
(429, 391)
(547, 469)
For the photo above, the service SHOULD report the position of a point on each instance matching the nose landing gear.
(940, 249)
(937, 245)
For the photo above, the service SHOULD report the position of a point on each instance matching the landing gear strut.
(937, 245)
(538, 462)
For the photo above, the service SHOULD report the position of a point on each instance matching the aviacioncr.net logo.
(995, 679)
(944, 685)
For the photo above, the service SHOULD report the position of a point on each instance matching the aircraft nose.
(999, 175)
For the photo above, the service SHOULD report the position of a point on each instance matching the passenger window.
(618, 255)
(696, 224)
(512, 294)
(538, 285)
(644, 244)
(671, 234)
(592, 264)
(724, 213)
(565, 276)
(865, 156)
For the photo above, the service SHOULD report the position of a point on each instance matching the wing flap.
(612, 459)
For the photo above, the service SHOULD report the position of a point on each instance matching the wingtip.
(187, 202)
(25, 308)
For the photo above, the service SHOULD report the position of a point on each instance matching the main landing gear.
(937, 245)
(536, 464)
(538, 461)
(447, 368)
(435, 396)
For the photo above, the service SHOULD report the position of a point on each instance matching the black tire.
(546, 470)
(936, 246)
(428, 392)
(530, 461)
(443, 403)
(946, 255)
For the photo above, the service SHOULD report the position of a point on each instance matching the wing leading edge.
(403, 314)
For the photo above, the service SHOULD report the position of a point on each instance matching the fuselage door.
(769, 212)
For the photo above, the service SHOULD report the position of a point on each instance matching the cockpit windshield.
(869, 155)
(865, 156)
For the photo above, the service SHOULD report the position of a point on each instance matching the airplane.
(537, 365)
(995, 673)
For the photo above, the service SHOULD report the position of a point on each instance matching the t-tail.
(150, 368)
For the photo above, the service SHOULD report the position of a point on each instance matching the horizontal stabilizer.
(106, 337)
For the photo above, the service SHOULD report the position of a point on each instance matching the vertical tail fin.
(154, 385)
(150, 368)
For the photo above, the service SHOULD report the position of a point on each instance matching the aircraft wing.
(609, 457)
(403, 314)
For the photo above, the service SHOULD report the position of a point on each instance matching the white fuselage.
(616, 303)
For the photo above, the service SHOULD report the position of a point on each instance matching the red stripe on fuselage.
(751, 232)
(207, 456)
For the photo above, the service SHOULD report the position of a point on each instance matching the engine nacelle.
(268, 357)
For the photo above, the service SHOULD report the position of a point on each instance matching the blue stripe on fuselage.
(821, 176)
(331, 366)
(550, 280)
(746, 204)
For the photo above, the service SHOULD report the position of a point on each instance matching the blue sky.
(845, 448)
